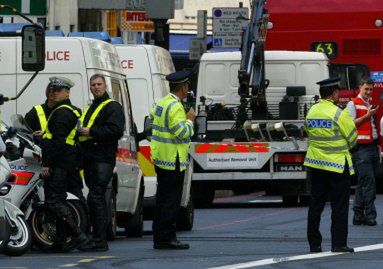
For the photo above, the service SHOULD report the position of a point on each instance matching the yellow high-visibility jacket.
(171, 132)
(331, 133)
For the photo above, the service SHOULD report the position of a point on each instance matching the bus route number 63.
(329, 48)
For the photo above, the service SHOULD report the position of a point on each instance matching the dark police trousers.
(366, 162)
(323, 184)
(55, 188)
(97, 178)
(168, 201)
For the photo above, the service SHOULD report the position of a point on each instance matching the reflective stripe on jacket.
(365, 128)
(70, 139)
(92, 118)
(331, 133)
(171, 132)
(42, 118)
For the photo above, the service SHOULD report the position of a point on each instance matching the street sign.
(136, 21)
(228, 24)
(197, 47)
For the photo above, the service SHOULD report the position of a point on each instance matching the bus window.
(350, 74)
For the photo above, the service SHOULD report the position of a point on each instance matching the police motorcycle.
(15, 235)
(25, 188)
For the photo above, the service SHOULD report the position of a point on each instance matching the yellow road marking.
(86, 260)
(69, 265)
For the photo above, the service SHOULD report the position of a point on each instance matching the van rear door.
(129, 173)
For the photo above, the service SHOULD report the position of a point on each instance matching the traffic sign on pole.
(197, 47)
(201, 23)
(228, 24)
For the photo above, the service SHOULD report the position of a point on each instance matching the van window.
(280, 74)
(214, 86)
(139, 93)
(117, 96)
(127, 105)
(350, 74)
(116, 90)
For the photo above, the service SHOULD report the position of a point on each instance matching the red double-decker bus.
(350, 32)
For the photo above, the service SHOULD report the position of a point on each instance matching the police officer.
(102, 125)
(59, 165)
(37, 117)
(365, 154)
(331, 134)
(172, 129)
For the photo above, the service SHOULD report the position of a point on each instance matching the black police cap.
(329, 82)
(178, 77)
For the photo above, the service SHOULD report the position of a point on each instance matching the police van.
(78, 59)
(146, 67)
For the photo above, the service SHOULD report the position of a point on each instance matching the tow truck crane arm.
(251, 74)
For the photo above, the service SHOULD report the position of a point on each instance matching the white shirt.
(351, 108)
(178, 99)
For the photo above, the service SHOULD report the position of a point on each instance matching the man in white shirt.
(365, 154)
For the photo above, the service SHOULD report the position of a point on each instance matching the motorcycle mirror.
(11, 132)
(19, 123)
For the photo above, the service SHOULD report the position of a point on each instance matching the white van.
(146, 67)
(218, 75)
(78, 59)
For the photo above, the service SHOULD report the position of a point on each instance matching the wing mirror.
(148, 128)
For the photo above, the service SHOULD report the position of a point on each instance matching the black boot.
(95, 246)
(77, 242)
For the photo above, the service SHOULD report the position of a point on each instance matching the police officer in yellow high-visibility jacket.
(37, 117)
(172, 129)
(331, 133)
(59, 166)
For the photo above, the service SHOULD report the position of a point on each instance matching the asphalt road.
(250, 231)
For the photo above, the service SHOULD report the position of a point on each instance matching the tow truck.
(258, 143)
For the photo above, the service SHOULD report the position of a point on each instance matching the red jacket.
(364, 129)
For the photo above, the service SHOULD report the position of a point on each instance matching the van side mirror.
(148, 128)
(33, 48)
(201, 125)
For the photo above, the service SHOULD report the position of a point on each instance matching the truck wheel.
(134, 227)
(112, 215)
(290, 200)
(203, 195)
(185, 218)
(44, 231)
(20, 240)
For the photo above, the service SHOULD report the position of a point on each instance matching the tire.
(134, 226)
(112, 215)
(44, 232)
(20, 239)
(185, 219)
(290, 200)
(203, 195)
